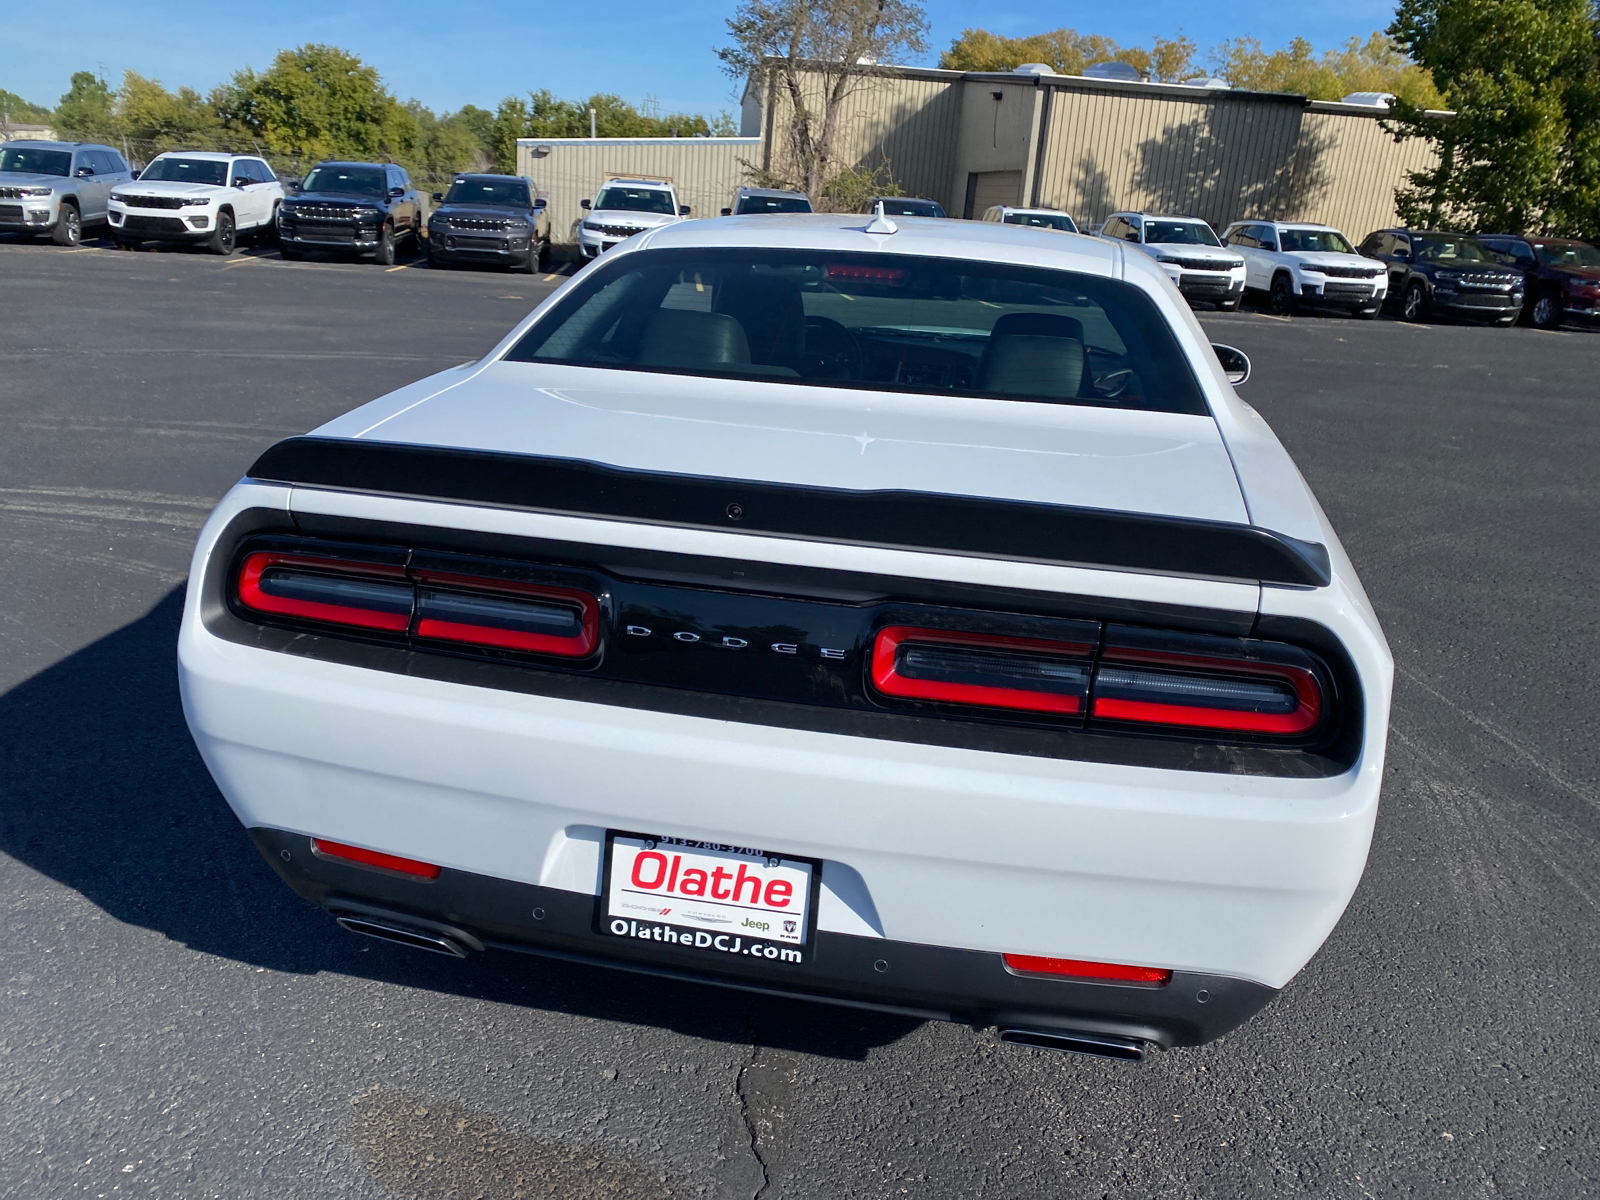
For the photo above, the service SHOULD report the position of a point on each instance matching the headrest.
(1026, 364)
(770, 309)
(677, 337)
(1037, 325)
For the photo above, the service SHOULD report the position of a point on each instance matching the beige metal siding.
(705, 171)
(1346, 172)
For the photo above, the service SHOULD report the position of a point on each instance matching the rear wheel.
(1281, 299)
(1545, 312)
(529, 263)
(69, 226)
(224, 236)
(544, 254)
(384, 254)
(1415, 306)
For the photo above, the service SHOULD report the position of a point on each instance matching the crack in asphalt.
(751, 1127)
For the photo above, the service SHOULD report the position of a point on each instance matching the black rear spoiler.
(902, 520)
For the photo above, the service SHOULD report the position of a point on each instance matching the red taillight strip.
(1076, 968)
(888, 680)
(1307, 689)
(514, 639)
(253, 596)
(375, 858)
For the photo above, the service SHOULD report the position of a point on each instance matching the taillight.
(364, 595)
(1096, 972)
(1029, 674)
(375, 858)
(507, 615)
(1173, 680)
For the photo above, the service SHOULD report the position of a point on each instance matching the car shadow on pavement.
(102, 790)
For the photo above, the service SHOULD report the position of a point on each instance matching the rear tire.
(224, 237)
(69, 227)
(529, 264)
(384, 254)
(1415, 306)
(267, 235)
(1545, 311)
(1281, 299)
(544, 255)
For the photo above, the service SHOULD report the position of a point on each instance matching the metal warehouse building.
(1089, 146)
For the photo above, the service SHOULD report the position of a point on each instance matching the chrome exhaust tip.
(417, 939)
(1074, 1041)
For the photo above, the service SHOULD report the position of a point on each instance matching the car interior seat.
(676, 337)
(769, 309)
(1034, 354)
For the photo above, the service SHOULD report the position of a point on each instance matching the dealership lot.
(180, 1025)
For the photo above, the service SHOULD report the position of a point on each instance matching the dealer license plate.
(710, 898)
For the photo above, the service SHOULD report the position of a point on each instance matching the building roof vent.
(1370, 99)
(1119, 71)
(1207, 81)
(1035, 69)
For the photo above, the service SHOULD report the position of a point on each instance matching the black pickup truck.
(367, 208)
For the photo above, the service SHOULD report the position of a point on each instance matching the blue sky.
(474, 51)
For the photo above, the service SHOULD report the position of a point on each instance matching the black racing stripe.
(1009, 529)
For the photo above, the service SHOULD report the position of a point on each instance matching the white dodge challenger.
(907, 616)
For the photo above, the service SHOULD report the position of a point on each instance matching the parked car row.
(214, 199)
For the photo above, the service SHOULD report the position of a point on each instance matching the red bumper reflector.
(990, 672)
(373, 858)
(1074, 968)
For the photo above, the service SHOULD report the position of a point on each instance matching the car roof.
(755, 191)
(1017, 208)
(487, 175)
(213, 155)
(664, 184)
(1538, 239)
(339, 162)
(41, 144)
(920, 236)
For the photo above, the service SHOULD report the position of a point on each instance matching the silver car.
(57, 188)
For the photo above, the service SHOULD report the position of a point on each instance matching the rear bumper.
(934, 982)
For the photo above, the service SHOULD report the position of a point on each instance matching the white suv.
(196, 196)
(625, 207)
(1296, 263)
(1189, 250)
(1034, 218)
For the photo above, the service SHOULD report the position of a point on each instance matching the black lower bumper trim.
(931, 982)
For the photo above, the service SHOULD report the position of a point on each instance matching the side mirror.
(396, 193)
(85, 172)
(1402, 256)
(583, 204)
(1235, 363)
(683, 210)
(727, 212)
(241, 183)
(295, 187)
(541, 202)
(438, 197)
(1131, 236)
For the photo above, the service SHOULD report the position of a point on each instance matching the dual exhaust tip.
(443, 940)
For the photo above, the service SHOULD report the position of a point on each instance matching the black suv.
(1446, 273)
(490, 218)
(369, 208)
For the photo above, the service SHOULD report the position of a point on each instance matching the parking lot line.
(401, 267)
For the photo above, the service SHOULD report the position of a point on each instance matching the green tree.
(145, 109)
(13, 107)
(1067, 52)
(1375, 65)
(544, 115)
(85, 111)
(1523, 149)
(320, 101)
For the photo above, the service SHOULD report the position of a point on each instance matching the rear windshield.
(635, 199)
(876, 321)
(773, 204)
(31, 160)
(188, 170)
(502, 193)
(1179, 233)
(1568, 254)
(347, 181)
(1305, 240)
(900, 207)
(1043, 221)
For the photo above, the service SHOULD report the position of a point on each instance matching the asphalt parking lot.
(178, 1024)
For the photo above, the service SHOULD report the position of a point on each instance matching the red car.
(1563, 276)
